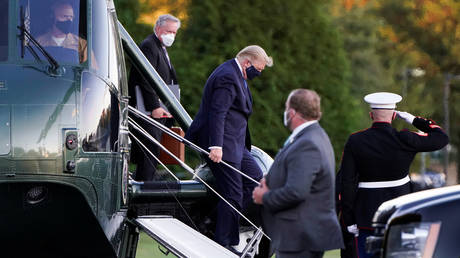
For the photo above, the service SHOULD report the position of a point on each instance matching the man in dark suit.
(297, 194)
(143, 96)
(221, 125)
(376, 162)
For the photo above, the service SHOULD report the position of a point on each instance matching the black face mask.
(252, 72)
(64, 26)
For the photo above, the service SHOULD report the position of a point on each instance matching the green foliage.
(428, 32)
(307, 52)
(359, 29)
(127, 12)
(431, 26)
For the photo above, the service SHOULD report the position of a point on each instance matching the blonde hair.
(255, 52)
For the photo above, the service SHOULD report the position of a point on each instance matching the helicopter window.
(122, 82)
(59, 26)
(99, 36)
(113, 63)
(3, 30)
(99, 115)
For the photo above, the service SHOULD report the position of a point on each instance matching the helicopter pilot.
(60, 34)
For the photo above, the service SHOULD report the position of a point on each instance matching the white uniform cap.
(384, 100)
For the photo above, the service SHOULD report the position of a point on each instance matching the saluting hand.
(259, 192)
(216, 155)
(409, 118)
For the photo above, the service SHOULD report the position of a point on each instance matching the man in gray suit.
(297, 194)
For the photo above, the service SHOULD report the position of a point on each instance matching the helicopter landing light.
(36, 194)
(70, 139)
(71, 142)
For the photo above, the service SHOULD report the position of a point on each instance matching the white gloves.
(353, 229)
(405, 116)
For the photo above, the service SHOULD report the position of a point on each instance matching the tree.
(128, 12)
(432, 30)
(307, 52)
(360, 30)
(153, 9)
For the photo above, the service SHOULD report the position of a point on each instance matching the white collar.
(59, 41)
(300, 128)
(239, 66)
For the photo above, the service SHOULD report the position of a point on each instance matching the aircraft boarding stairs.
(176, 239)
(171, 200)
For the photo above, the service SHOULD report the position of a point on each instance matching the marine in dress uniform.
(376, 161)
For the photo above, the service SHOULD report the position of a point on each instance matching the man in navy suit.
(221, 125)
(143, 96)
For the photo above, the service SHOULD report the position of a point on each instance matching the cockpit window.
(3, 30)
(59, 26)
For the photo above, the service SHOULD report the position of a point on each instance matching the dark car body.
(422, 224)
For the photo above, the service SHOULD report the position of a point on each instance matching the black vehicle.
(422, 224)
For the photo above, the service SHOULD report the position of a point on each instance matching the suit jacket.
(153, 51)
(381, 153)
(299, 210)
(222, 119)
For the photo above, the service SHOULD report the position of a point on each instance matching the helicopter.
(65, 137)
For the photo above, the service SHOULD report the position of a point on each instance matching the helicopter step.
(172, 198)
(179, 188)
(179, 239)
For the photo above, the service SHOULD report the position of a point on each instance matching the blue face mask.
(252, 72)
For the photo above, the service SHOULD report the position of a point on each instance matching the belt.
(383, 184)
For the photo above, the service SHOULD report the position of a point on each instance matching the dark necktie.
(167, 57)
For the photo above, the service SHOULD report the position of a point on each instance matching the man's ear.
(248, 63)
(394, 115)
(371, 115)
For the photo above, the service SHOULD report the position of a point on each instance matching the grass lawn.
(332, 254)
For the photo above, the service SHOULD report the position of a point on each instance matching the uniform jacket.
(381, 153)
(222, 119)
(299, 210)
(153, 51)
(71, 41)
